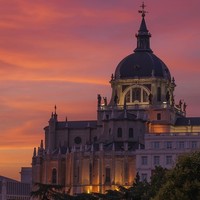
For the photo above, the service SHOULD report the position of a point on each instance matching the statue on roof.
(99, 100)
(184, 106)
(105, 101)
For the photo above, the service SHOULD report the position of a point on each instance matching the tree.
(47, 192)
(126, 192)
(85, 196)
(183, 181)
(113, 195)
(158, 179)
(139, 190)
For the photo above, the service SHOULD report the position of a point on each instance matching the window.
(145, 96)
(144, 177)
(78, 174)
(128, 97)
(181, 145)
(119, 132)
(158, 94)
(54, 176)
(95, 139)
(156, 145)
(90, 170)
(194, 145)
(137, 95)
(156, 160)
(169, 145)
(158, 116)
(144, 160)
(107, 180)
(126, 174)
(168, 160)
(130, 133)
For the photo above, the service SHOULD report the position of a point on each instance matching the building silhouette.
(11, 189)
(97, 155)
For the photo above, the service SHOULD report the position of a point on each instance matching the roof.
(188, 121)
(15, 188)
(126, 115)
(8, 179)
(142, 65)
(77, 124)
(119, 146)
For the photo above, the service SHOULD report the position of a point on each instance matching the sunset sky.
(63, 52)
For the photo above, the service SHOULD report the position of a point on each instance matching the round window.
(77, 140)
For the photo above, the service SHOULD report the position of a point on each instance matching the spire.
(66, 121)
(55, 107)
(41, 144)
(143, 35)
(34, 152)
(55, 114)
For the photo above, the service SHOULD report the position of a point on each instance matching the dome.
(142, 64)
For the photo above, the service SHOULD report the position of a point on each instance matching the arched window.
(145, 96)
(109, 131)
(126, 171)
(119, 132)
(130, 133)
(54, 176)
(95, 139)
(137, 95)
(107, 178)
(128, 97)
(90, 174)
(158, 94)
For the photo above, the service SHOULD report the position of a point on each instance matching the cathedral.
(101, 154)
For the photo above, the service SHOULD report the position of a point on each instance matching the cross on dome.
(143, 11)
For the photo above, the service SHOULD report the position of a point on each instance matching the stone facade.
(164, 150)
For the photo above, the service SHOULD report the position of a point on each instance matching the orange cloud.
(63, 52)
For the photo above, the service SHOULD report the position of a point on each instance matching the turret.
(52, 131)
(143, 36)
